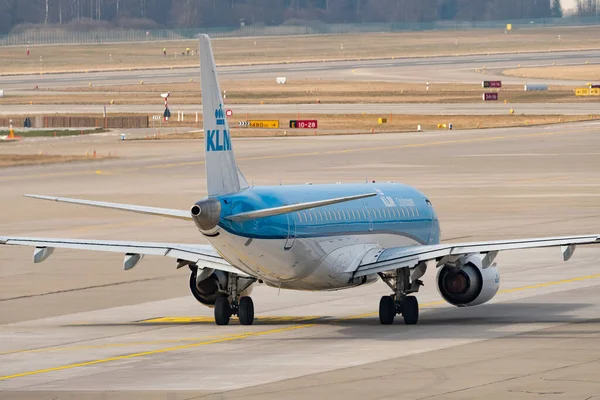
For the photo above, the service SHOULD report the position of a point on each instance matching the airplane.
(306, 237)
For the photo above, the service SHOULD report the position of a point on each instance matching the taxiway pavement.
(315, 109)
(444, 69)
(78, 326)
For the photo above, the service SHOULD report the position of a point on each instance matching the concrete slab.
(77, 326)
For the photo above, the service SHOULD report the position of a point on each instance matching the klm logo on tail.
(217, 139)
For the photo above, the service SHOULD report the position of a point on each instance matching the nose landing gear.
(389, 308)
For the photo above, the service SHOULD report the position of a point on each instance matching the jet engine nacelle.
(207, 289)
(211, 284)
(471, 285)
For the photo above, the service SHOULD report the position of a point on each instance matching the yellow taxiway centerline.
(262, 333)
(151, 352)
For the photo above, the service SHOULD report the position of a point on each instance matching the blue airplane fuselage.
(318, 249)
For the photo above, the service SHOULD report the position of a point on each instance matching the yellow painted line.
(254, 334)
(519, 289)
(293, 155)
(548, 284)
(372, 314)
(153, 352)
(211, 320)
(110, 345)
(164, 320)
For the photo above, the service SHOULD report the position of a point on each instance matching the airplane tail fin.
(222, 173)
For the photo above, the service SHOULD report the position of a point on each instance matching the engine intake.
(471, 285)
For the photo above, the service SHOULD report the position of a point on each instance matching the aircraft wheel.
(222, 311)
(387, 310)
(410, 310)
(246, 311)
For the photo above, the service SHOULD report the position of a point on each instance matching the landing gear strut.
(243, 307)
(400, 302)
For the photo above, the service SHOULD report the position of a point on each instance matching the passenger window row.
(363, 214)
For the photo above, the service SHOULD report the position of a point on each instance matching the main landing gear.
(400, 302)
(243, 307)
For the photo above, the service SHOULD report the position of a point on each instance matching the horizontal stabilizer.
(163, 212)
(270, 212)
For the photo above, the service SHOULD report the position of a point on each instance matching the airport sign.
(490, 96)
(492, 84)
(264, 123)
(259, 123)
(304, 124)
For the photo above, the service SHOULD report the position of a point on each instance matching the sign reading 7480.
(258, 123)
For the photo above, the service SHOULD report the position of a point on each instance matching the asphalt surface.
(458, 69)
(77, 326)
(379, 108)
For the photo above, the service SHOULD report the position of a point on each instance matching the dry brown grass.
(296, 92)
(12, 160)
(589, 73)
(62, 58)
(355, 124)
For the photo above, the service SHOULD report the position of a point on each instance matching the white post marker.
(418, 128)
(196, 116)
(182, 116)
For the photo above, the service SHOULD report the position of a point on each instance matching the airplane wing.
(382, 260)
(204, 256)
(163, 212)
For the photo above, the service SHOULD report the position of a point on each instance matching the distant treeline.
(149, 14)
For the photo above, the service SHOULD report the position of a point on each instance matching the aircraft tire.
(387, 310)
(222, 311)
(246, 311)
(410, 310)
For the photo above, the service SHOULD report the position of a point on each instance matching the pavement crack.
(535, 392)
(84, 288)
(508, 379)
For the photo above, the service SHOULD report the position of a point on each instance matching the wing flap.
(408, 257)
(204, 256)
(163, 212)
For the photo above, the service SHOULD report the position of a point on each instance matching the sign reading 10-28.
(304, 124)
